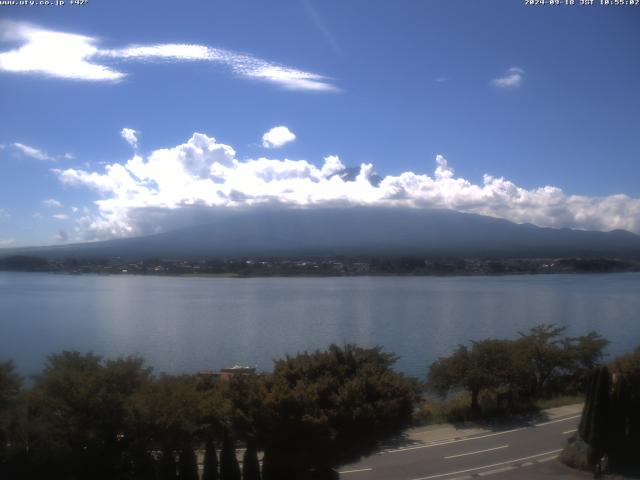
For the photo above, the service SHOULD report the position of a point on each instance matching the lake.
(186, 324)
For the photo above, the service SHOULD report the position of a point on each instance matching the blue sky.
(544, 100)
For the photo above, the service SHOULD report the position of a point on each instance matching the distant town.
(326, 266)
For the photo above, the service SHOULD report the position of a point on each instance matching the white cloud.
(60, 216)
(6, 242)
(148, 194)
(52, 203)
(71, 56)
(4, 213)
(277, 137)
(33, 152)
(38, 154)
(512, 79)
(56, 54)
(130, 135)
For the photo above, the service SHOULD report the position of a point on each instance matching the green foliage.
(538, 364)
(167, 411)
(486, 365)
(10, 437)
(78, 413)
(331, 406)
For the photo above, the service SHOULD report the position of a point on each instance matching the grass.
(457, 409)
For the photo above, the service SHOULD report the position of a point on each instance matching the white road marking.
(448, 442)
(497, 470)
(356, 471)
(556, 421)
(479, 451)
(488, 466)
(567, 432)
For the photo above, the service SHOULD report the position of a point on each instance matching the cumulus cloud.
(130, 135)
(277, 137)
(169, 186)
(512, 79)
(52, 203)
(77, 57)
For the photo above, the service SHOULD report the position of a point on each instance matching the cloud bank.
(170, 185)
(512, 79)
(277, 137)
(77, 57)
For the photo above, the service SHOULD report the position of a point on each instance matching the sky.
(125, 118)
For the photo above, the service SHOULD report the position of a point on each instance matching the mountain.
(354, 231)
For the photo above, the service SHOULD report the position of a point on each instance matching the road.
(486, 453)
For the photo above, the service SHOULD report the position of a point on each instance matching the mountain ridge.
(353, 231)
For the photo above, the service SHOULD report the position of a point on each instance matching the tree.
(229, 468)
(583, 354)
(250, 465)
(544, 356)
(329, 407)
(210, 471)
(167, 412)
(610, 418)
(10, 390)
(487, 364)
(78, 414)
(188, 464)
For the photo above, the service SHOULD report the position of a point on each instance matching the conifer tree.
(188, 464)
(210, 471)
(229, 468)
(250, 465)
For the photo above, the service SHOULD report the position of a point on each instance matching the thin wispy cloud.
(145, 194)
(52, 203)
(6, 242)
(277, 137)
(130, 136)
(512, 79)
(33, 152)
(38, 154)
(60, 216)
(78, 57)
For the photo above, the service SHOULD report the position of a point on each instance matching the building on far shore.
(226, 373)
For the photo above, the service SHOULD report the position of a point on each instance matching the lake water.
(189, 324)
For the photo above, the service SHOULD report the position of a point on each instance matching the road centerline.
(477, 451)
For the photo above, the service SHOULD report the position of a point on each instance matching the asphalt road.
(505, 453)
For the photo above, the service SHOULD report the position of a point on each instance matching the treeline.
(85, 417)
(541, 363)
(322, 266)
